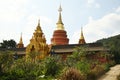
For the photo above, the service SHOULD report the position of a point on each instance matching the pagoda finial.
(38, 28)
(21, 42)
(38, 22)
(60, 23)
(60, 17)
(60, 9)
(82, 37)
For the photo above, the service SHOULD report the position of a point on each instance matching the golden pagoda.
(20, 44)
(38, 44)
(59, 35)
(82, 40)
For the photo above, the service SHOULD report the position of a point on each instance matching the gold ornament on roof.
(82, 40)
(60, 25)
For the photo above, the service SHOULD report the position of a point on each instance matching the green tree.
(78, 55)
(113, 43)
(53, 66)
(8, 44)
(24, 70)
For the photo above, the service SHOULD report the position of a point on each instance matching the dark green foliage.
(78, 55)
(87, 66)
(52, 66)
(24, 70)
(6, 59)
(8, 44)
(113, 43)
(78, 60)
(76, 67)
(83, 66)
(33, 56)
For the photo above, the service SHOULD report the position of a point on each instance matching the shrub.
(98, 70)
(23, 70)
(118, 77)
(52, 66)
(91, 76)
(72, 74)
(83, 66)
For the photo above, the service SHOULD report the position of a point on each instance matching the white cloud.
(93, 3)
(108, 25)
(97, 5)
(12, 13)
(90, 1)
(15, 16)
(90, 19)
(12, 10)
(118, 9)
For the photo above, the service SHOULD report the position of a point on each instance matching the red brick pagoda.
(59, 35)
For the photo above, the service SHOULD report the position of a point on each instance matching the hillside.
(113, 43)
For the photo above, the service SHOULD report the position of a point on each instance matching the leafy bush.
(6, 60)
(52, 66)
(24, 70)
(76, 67)
(78, 55)
(83, 66)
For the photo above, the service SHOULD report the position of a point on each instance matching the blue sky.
(99, 18)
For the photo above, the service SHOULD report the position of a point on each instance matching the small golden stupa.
(82, 40)
(20, 44)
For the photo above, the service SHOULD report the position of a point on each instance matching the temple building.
(20, 44)
(37, 44)
(59, 43)
(59, 35)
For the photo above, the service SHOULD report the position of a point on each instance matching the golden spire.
(60, 25)
(21, 42)
(39, 22)
(82, 40)
(82, 37)
(60, 17)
